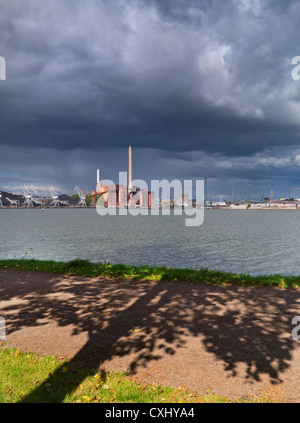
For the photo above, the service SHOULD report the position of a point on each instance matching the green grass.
(107, 270)
(26, 377)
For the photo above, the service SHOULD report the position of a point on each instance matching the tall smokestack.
(98, 176)
(130, 168)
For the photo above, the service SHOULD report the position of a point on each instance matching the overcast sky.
(199, 88)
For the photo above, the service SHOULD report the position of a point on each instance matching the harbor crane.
(38, 201)
(64, 203)
(82, 202)
(54, 198)
(14, 203)
(28, 197)
(29, 200)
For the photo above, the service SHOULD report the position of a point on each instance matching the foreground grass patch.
(86, 268)
(27, 377)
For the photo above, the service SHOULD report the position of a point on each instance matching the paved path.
(233, 341)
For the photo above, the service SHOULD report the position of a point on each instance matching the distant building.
(119, 195)
(219, 204)
(123, 195)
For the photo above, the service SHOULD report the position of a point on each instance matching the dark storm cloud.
(210, 78)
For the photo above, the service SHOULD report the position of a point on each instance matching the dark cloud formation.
(199, 88)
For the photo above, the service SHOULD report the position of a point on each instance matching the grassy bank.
(107, 270)
(24, 378)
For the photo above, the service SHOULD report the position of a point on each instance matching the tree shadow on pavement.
(149, 320)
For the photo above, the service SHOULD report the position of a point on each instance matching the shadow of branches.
(149, 320)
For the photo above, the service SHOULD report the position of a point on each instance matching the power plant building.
(121, 195)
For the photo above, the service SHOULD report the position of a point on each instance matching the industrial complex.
(129, 195)
(118, 195)
(123, 195)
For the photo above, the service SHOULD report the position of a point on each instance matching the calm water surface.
(245, 241)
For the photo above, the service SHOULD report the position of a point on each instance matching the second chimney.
(130, 168)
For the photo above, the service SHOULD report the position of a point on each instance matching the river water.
(240, 241)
